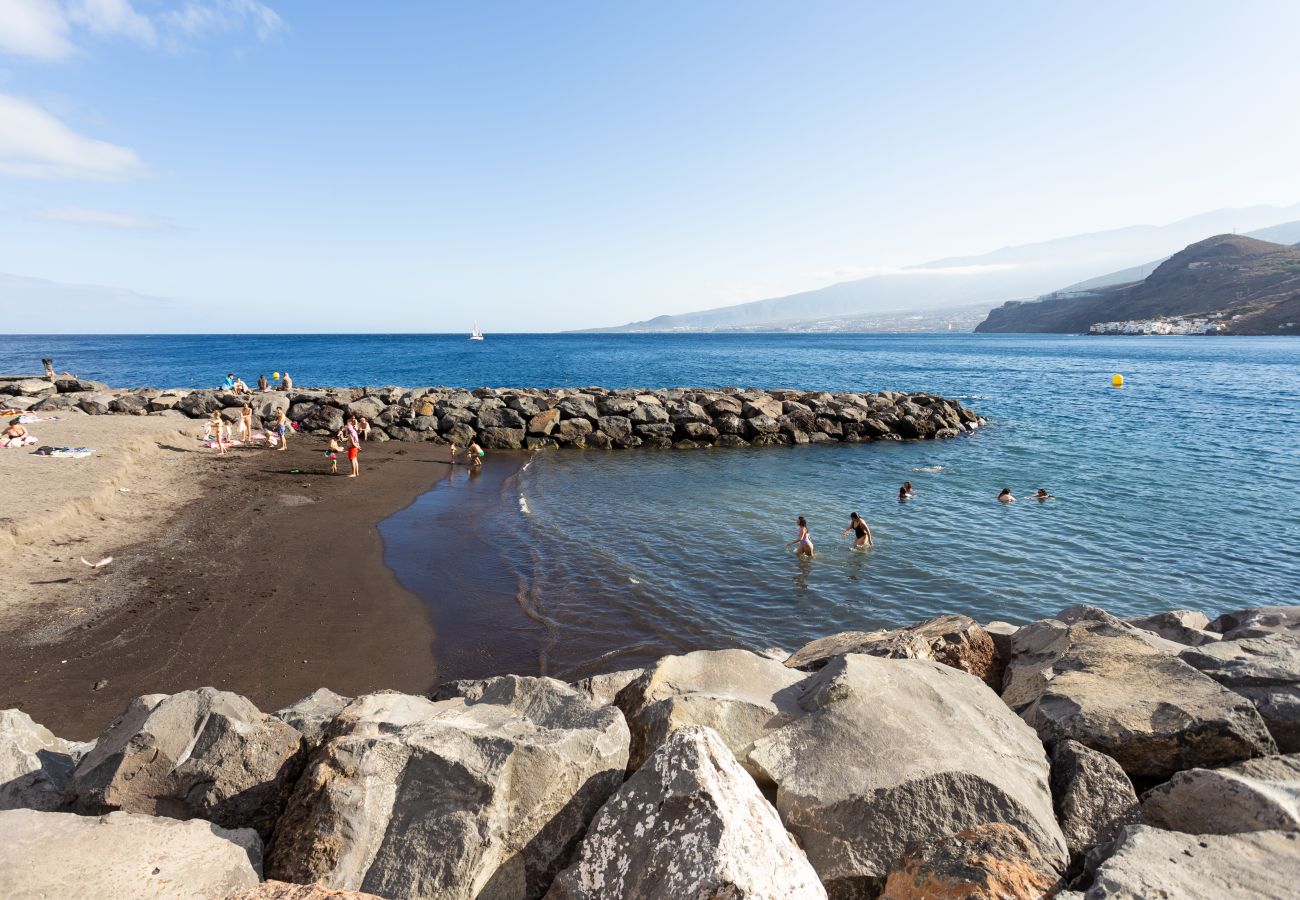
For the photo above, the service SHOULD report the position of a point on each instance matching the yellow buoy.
(276, 375)
(1117, 380)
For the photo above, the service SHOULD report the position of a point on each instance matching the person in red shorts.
(354, 448)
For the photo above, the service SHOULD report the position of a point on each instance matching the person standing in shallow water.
(1005, 496)
(861, 532)
(906, 493)
(475, 454)
(803, 543)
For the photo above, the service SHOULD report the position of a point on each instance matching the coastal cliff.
(1080, 752)
(513, 419)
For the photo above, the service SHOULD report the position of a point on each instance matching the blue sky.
(539, 166)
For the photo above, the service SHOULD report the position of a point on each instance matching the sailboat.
(476, 335)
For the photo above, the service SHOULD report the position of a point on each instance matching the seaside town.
(1210, 324)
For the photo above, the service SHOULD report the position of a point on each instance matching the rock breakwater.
(513, 419)
(889, 764)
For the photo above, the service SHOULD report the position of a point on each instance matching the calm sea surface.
(1182, 489)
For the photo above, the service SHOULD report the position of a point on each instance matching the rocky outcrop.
(740, 695)
(1182, 626)
(1150, 862)
(1088, 676)
(35, 766)
(890, 752)
(460, 798)
(1266, 671)
(1258, 621)
(602, 689)
(586, 418)
(954, 640)
(987, 862)
(1257, 795)
(203, 754)
(122, 856)
(312, 715)
(689, 823)
(1092, 796)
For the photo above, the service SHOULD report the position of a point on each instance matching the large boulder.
(1150, 862)
(1266, 671)
(122, 856)
(740, 695)
(1256, 795)
(603, 688)
(993, 861)
(889, 752)
(1258, 621)
(29, 387)
(35, 766)
(579, 406)
(689, 823)
(1092, 796)
(1088, 676)
(501, 438)
(500, 417)
(312, 715)
(129, 404)
(366, 406)
(482, 796)
(544, 422)
(954, 640)
(203, 754)
(1183, 626)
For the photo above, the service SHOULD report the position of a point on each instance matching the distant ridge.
(1254, 284)
(1019, 272)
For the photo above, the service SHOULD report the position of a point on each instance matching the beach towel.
(26, 440)
(65, 452)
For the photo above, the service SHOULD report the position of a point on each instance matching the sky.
(239, 165)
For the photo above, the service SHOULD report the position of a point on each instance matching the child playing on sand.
(332, 454)
(475, 454)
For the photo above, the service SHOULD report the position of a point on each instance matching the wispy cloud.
(852, 273)
(74, 215)
(34, 144)
(49, 29)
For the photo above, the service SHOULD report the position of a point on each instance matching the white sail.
(476, 335)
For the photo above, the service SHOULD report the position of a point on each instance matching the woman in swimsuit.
(905, 492)
(803, 543)
(14, 436)
(861, 531)
(216, 425)
(246, 424)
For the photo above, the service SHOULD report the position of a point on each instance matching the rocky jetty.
(1077, 756)
(512, 419)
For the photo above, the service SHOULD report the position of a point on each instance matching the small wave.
(971, 397)
(523, 505)
(932, 470)
(633, 580)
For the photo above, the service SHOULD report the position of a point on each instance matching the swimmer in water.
(861, 531)
(906, 492)
(1005, 496)
(803, 543)
(1043, 495)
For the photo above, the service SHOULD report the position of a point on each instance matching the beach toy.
(1117, 380)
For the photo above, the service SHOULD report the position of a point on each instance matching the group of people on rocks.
(862, 537)
(238, 386)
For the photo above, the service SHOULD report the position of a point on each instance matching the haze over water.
(1181, 489)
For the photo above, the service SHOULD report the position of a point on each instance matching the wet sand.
(270, 584)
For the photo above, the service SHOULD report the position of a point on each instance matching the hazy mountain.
(1255, 283)
(1028, 270)
(30, 304)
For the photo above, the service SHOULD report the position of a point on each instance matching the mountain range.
(964, 283)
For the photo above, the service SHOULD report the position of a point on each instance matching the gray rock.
(954, 640)
(615, 406)
(198, 404)
(648, 414)
(1266, 671)
(1150, 863)
(366, 406)
(501, 438)
(889, 752)
(35, 766)
(619, 428)
(501, 417)
(267, 403)
(544, 422)
(738, 694)
(992, 861)
(204, 754)
(29, 387)
(122, 856)
(1256, 795)
(572, 430)
(766, 407)
(1001, 633)
(313, 714)
(1088, 676)
(67, 385)
(689, 823)
(579, 406)
(130, 404)
(1258, 621)
(1092, 796)
(464, 798)
(1182, 626)
(602, 689)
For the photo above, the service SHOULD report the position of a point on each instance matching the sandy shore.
(256, 572)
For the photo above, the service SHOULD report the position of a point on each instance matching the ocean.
(1179, 490)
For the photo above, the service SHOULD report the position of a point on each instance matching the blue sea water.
(1181, 489)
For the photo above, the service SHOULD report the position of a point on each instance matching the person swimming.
(1005, 496)
(861, 531)
(906, 492)
(1043, 495)
(803, 543)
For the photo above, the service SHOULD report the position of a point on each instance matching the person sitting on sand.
(282, 428)
(803, 543)
(906, 492)
(15, 435)
(215, 427)
(475, 454)
(1043, 495)
(1005, 496)
(332, 454)
(262, 383)
(246, 423)
(363, 428)
(861, 531)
